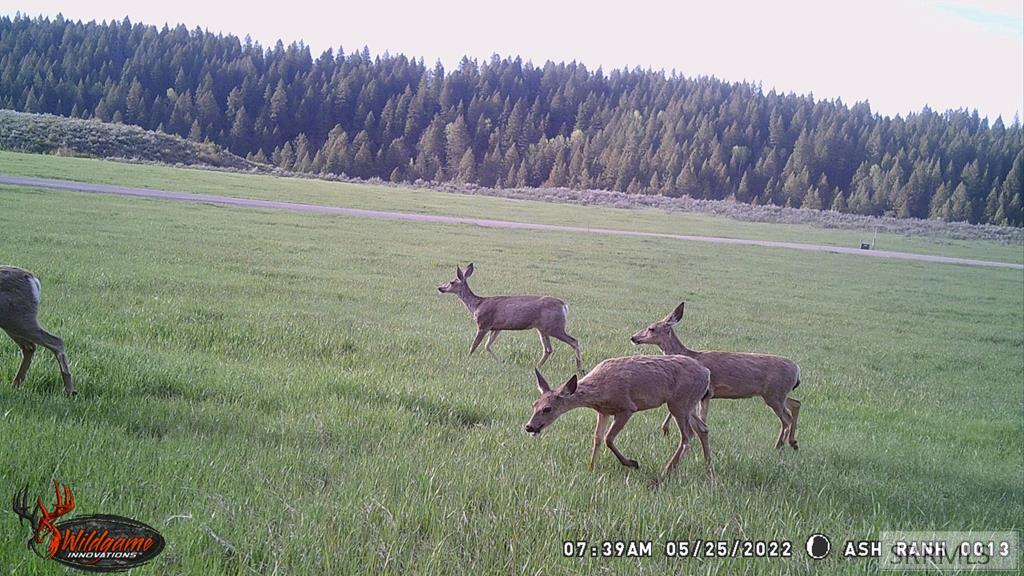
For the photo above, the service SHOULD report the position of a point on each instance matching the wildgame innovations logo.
(96, 543)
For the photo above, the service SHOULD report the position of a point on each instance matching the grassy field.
(432, 202)
(294, 384)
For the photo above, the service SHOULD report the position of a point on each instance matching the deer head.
(551, 404)
(660, 333)
(458, 284)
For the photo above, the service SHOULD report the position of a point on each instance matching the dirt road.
(361, 213)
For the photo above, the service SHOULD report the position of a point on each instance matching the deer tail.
(36, 286)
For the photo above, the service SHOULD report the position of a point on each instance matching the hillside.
(48, 134)
(505, 123)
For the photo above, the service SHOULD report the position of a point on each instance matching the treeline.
(505, 123)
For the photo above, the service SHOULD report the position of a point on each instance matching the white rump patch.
(37, 288)
(565, 310)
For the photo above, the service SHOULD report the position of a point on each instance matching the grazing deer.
(19, 304)
(735, 375)
(493, 314)
(619, 387)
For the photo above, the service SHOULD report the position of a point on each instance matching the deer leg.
(705, 405)
(684, 424)
(779, 406)
(56, 345)
(664, 425)
(701, 429)
(480, 333)
(561, 335)
(545, 341)
(490, 340)
(793, 406)
(620, 420)
(28, 349)
(599, 434)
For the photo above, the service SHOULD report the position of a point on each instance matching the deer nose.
(633, 339)
(531, 429)
(440, 289)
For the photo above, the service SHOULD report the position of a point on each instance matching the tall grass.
(294, 385)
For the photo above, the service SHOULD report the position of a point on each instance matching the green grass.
(296, 384)
(426, 201)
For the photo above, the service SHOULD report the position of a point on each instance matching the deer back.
(520, 312)
(743, 375)
(644, 382)
(19, 298)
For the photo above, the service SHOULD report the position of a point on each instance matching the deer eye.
(546, 410)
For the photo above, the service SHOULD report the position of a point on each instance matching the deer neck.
(675, 346)
(471, 300)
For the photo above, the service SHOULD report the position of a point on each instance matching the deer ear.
(676, 314)
(569, 388)
(458, 273)
(542, 384)
(469, 271)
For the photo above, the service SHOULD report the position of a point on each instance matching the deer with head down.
(618, 388)
(19, 306)
(735, 374)
(493, 314)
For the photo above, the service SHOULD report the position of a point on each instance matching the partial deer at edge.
(19, 306)
(494, 314)
(735, 374)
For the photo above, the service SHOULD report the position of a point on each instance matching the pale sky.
(900, 55)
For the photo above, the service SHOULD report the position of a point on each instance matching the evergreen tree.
(556, 125)
(960, 209)
(838, 201)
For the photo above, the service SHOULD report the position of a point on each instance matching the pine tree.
(181, 117)
(938, 209)
(135, 106)
(838, 201)
(558, 125)
(467, 168)
(284, 156)
(812, 200)
(363, 161)
(303, 161)
(195, 133)
(457, 142)
(960, 209)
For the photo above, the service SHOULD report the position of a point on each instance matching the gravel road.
(407, 216)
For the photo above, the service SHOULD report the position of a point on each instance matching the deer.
(494, 314)
(617, 388)
(734, 375)
(19, 306)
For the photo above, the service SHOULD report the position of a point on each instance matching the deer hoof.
(631, 464)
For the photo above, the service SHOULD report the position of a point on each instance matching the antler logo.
(96, 543)
(42, 520)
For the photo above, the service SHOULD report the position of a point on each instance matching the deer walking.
(619, 387)
(735, 375)
(19, 305)
(495, 314)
